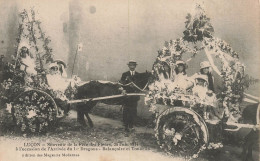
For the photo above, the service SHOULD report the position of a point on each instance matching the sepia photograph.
(129, 80)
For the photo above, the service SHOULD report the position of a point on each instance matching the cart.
(183, 130)
(181, 127)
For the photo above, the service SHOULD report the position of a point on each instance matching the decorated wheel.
(34, 111)
(181, 131)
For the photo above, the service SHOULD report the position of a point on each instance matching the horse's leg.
(67, 109)
(80, 115)
(249, 142)
(89, 120)
(249, 156)
(244, 152)
(252, 140)
(89, 108)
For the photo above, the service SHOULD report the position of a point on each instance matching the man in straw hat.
(130, 104)
(129, 76)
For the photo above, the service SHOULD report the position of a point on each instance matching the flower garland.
(198, 36)
(32, 110)
(198, 26)
(199, 31)
(30, 31)
(232, 73)
(172, 52)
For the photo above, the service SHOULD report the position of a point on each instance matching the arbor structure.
(30, 35)
(199, 36)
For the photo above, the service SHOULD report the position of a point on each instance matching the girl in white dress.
(27, 62)
(205, 95)
(181, 79)
(55, 79)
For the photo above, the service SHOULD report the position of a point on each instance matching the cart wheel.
(34, 111)
(181, 131)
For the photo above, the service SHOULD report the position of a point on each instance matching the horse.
(249, 114)
(93, 89)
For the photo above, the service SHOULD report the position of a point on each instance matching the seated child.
(207, 97)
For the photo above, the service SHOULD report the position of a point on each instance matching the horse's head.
(142, 79)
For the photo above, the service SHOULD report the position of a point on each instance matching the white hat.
(201, 76)
(132, 62)
(180, 62)
(53, 65)
(204, 64)
(59, 61)
(177, 53)
(24, 44)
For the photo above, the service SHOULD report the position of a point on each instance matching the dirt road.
(110, 131)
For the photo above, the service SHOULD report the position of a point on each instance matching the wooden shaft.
(105, 97)
(237, 125)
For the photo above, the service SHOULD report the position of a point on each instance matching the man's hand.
(127, 78)
(132, 85)
(124, 92)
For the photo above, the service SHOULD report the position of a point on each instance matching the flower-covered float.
(30, 90)
(186, 110)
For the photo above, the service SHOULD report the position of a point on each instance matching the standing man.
(130, 104)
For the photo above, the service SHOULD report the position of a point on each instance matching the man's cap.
(204, 64)
(132, 62)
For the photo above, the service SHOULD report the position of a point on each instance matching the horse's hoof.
(81, 124)
(242, 156)
(132, 130)
(126, 134)
(249, 158)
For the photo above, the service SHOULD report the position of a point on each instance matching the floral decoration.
(198, 36)
(32, 110)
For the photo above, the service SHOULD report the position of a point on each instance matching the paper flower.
(9, 107)
(176, 138)
(31, 114)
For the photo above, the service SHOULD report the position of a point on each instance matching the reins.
(132, 83)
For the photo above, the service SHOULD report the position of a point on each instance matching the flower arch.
(198, 36)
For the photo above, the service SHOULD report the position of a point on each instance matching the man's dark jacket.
(128, 78)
